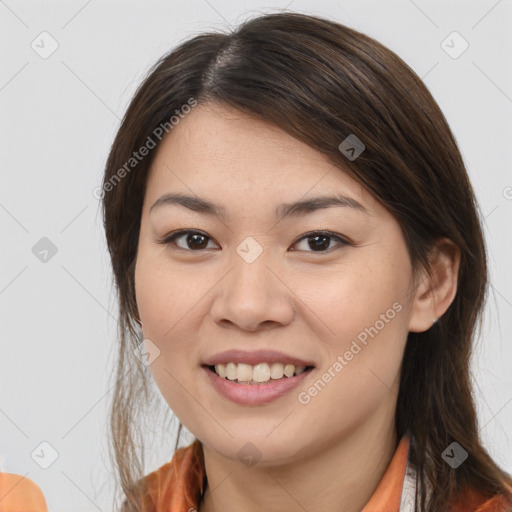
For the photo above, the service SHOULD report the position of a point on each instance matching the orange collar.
(177, 485)
(389, 491)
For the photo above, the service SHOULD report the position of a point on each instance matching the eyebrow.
(295, 209)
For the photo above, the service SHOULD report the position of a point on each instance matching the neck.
(341, 476)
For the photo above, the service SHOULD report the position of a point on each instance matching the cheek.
(361, 372)
(163, 294)
(168, 309)
(343, 301)
(360, 318)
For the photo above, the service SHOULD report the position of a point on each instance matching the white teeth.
(261, 372)
(231, 371)
(244, 372)
(289, 369)
(277, 371)
(221, 370)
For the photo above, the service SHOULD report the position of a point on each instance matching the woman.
(294, 236)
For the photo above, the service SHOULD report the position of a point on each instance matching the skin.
(331, 453)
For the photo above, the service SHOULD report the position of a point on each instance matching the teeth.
(244, 372)
(231, 371)
(221, 370)
(276, 371)
(299, 370)
(262, 372)
(289, 369)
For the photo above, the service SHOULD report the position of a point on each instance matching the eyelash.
(170, 239)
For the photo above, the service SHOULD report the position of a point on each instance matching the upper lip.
(255, 357)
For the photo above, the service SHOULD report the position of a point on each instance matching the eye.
(194, 241)
(319, 241)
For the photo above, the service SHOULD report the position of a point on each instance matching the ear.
(435, 292)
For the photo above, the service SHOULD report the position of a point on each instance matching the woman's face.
(250, 281)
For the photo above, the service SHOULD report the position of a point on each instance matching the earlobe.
(437, 289)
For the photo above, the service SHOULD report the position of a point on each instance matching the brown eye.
(191, 240)
(320, 241)
(195, 241)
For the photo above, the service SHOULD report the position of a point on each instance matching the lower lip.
(254, 394)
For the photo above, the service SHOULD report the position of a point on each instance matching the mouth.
(255, 377)
(250, 385)
(259, 374)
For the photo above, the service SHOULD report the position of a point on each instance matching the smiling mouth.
(262, 373)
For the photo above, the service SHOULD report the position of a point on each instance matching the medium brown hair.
(321, 81)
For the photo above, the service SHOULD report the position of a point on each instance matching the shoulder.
(175, 485)
(186, 462)
(471, 500)
(19, 494)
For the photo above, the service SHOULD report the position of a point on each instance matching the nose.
(253, 296)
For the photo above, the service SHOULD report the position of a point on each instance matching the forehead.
(218, 151)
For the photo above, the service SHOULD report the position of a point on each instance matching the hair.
(320, 82)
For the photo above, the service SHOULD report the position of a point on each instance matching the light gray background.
(58, 118)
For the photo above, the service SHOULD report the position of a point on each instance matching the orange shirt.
(20, 494)
(178, 484)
